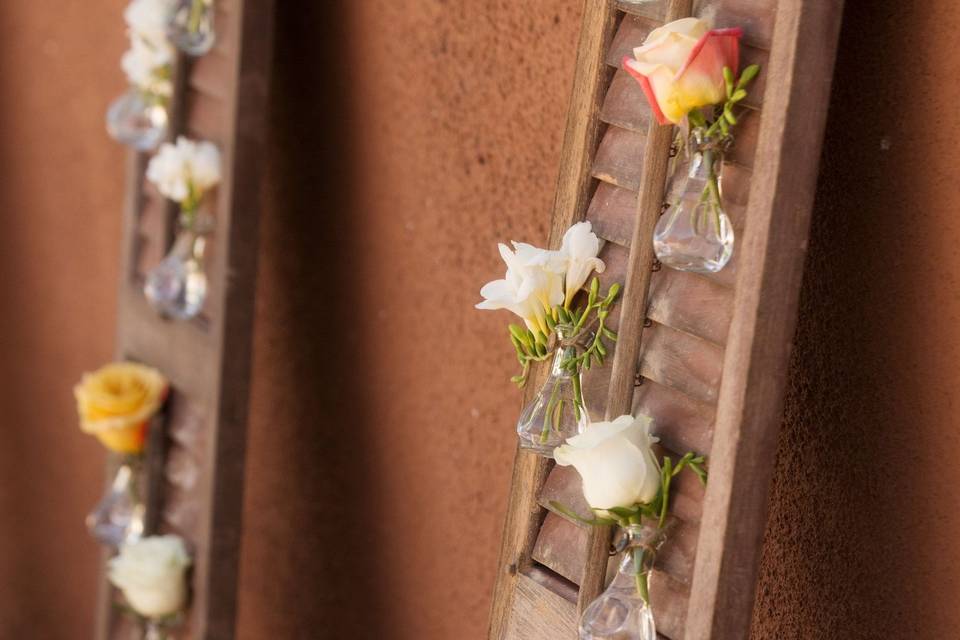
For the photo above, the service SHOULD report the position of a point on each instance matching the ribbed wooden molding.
(197, 452)
(701, 345)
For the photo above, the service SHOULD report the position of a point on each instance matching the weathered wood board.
(709, 351)
(220, 97)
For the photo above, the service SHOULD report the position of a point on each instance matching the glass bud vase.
(557, 412)
(695, 234)
(137, 119)
(623, 612)
(119, 516)
(177, 287)
(191, 26)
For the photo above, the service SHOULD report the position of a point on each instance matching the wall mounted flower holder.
(138, 119)
(185, 172)
(191, 26)
(544, 288)
(177, 286)
(687, 73)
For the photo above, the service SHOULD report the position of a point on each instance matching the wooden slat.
(625, 105)
(619, 154)
(751, 398)
(632, 311)
(539, 611)
(632, 32)
(682, 362)
(508, 614)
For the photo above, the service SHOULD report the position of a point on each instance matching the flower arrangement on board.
(626, 485)
(688, 73)
(151, 573)
(560, 322)
(184, 172)
(116, 404)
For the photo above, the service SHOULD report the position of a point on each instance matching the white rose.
(615, 462)
(185, 170)
(579, 249)
(151, 573)
(532, 284)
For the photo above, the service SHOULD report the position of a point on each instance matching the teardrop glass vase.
(695, 234)
(557, 412)
(191, 26)
(137, 119)
(623, 612)
(177, 287)
(119, 516)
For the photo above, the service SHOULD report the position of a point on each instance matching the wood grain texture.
(632, 311)
(507, 618)
(764, 317)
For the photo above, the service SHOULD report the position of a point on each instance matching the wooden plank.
(632, 311)
(539, 611)
(632, 32)
(573, 189)
(755, 367)
(624, 105)
(618, 159)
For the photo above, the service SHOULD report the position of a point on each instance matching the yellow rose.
(116, 403)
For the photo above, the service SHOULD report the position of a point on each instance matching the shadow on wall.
(861, 540)
(307, 565)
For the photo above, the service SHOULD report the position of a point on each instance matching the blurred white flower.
(148, 19)
(579, 249)
(615, 461)
(185, 171)
(151, 573)
(148, 67)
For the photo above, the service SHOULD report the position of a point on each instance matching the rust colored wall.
(410, 137)
(60, 206)
(862, 535)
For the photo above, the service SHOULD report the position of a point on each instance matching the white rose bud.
(151, 573)
(615, 462)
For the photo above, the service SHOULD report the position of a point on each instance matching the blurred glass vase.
(119, 516)
(695, 234)
(623, 612)
(177, 286)
(191, 26)
(557, 412)
(138, 119)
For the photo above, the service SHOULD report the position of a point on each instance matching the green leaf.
(519, 333)
(564, 315)
(610, 333)
(551, 324)
(748, 75)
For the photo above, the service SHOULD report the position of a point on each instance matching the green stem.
(545, 433)
(713, 188)
(196, 14)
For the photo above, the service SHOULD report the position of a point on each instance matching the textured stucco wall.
(410, 136)
(862, 534)
(60, 205)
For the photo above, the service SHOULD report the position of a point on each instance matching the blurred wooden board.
(711, 350)
(220, 97)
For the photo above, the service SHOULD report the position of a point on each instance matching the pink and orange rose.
(680, 67)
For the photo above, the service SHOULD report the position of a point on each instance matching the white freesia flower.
(615, 462)
(579, 249)
(151, 573)
(531, 286)
(185, 171)
(147, 19)
(148, 66)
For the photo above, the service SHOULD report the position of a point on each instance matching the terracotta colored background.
(410, 136)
